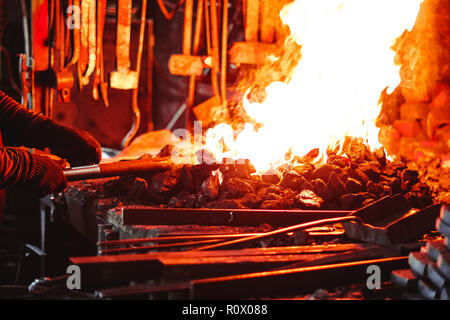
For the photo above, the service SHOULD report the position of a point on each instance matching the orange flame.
(334, 91)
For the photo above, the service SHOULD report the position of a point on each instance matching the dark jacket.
(18, 127)
(22, 127)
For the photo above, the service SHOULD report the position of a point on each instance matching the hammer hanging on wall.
(92, 43)
(123, 77)
(137, 114)
(99, 82)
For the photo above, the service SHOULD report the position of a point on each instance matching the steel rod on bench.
(277, 232)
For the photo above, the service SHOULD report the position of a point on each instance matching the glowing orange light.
(346, 63)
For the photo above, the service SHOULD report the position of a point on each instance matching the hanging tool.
(276, 232)
(187, 35)
(137, 114)
(123, 78)
(120, 168)
(197, 34)
(252, 20)
(203, 112)
(92, 43)
(260, 21)
(186, 64)
(268, 20)
(52, 25)
(214, 46)
(26, 63)
(82, 60)
(150, 59)
(64, 77)
(169, 15)
(76, 33)
(223, 69)
(99, 67)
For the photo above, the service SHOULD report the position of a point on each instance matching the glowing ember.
(347, 61)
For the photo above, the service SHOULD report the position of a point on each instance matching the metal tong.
(120, 168)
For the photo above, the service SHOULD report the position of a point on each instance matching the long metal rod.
(125, 242)
(121, 168)
(150, 58)
(175, 239)
(291, 281)
(267, 283)
(159, 246)
(277, 232)
(222, 217)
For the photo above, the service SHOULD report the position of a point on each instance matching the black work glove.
(77, 146)
(45, 176)
(22, 127)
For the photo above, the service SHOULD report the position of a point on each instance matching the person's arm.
(19, 126)
(22, 127)
(38, 174)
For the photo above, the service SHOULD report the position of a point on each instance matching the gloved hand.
(45, 176)
(77, 146)
(22, 127)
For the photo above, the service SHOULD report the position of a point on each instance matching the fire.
(334, 91)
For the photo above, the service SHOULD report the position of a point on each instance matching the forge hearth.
(346, 182)
(191, 230)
